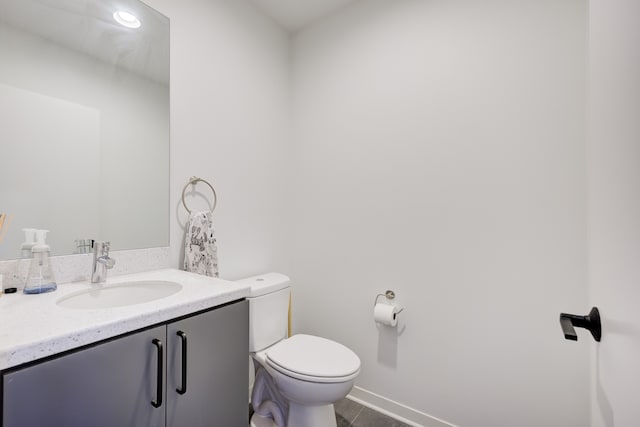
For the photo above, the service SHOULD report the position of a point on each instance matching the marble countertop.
(34, 326)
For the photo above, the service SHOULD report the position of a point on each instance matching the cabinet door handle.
(159, 377)
(183, 388)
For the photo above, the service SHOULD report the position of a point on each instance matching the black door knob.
(591, 321)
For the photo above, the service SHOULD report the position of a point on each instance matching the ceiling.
(296, 14)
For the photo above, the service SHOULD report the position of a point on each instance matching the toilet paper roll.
(385, 314)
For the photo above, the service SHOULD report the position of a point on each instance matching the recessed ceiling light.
(126, 19)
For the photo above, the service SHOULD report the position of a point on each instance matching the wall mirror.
(84, 124)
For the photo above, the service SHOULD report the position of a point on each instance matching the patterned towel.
(200, 251)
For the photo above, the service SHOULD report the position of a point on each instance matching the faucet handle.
(108, 262)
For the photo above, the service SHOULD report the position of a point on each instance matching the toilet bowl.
(303, 375)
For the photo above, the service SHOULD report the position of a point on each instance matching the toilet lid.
(313, 358)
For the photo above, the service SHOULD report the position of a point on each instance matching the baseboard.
(394, 409)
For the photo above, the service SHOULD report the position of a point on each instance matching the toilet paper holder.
(390, 296)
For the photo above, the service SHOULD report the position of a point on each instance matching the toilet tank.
(268, 309)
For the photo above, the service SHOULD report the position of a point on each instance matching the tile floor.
(352, 414)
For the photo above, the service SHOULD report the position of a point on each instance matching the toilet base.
(301, 416)
(311, 416)
(258, 421)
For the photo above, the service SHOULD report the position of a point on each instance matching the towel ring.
(194, 180)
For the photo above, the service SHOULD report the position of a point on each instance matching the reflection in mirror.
(84, 124)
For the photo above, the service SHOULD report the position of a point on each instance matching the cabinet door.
(217, 383)
(110, 384)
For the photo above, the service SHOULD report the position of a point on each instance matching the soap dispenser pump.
(40, 278)
(29, 242)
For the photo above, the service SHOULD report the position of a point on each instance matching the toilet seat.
(313, 359)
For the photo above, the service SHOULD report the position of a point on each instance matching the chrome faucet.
(101, 261)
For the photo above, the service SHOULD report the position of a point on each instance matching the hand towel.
(200, 251)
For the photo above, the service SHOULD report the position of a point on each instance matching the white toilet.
(298, 378)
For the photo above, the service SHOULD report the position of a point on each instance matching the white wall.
(614, 208)
(229, 118)
(440, 153)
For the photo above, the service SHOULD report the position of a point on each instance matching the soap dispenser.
(40, 278)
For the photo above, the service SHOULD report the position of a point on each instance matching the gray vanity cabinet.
(217, 378)
(115, 383)
(107, 385)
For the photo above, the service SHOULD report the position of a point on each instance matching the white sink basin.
(120, 294)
